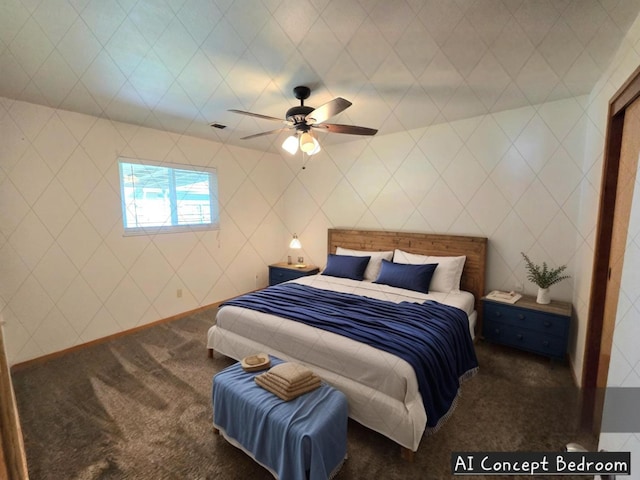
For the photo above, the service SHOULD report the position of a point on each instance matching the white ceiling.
(178, 65)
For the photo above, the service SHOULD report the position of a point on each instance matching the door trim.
(592, 401)
(13, 459)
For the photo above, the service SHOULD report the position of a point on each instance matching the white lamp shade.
(291, 144)
(295, 242)
(315, 150)
(307, 142)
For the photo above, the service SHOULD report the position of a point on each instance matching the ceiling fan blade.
(277, 130)
(257, 115)
(350, 129)
(328, 110)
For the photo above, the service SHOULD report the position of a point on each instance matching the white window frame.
(173, 227)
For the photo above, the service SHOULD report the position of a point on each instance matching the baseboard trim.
(97, 341)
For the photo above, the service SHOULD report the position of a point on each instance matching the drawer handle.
(519, 336)
(521, 316)
(547, 323)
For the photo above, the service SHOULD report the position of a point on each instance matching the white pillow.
(375, 263)
(447, 276)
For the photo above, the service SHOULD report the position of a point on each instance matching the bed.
(382, 388)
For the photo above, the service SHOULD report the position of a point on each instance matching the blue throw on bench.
(433, 338)
(303, 438)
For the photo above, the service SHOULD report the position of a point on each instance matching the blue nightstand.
(527, 325)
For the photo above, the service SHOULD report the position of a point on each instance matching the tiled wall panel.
(69, 276)
(515, 177)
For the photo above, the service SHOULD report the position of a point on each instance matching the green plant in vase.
(543, 277)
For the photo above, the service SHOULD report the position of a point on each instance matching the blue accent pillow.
(346, 266)
(411, 277)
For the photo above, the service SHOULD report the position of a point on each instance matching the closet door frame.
(594, 359)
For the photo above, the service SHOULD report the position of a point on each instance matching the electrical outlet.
(179, 293)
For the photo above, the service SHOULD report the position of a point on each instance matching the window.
(161, 198)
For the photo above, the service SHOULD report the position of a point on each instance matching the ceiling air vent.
(217, 125)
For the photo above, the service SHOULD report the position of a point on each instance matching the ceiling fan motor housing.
(297, 116)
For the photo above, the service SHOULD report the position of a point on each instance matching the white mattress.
(382, 389)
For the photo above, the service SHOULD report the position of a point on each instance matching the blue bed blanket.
(433, 338)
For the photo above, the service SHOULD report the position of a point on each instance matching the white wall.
(515, 177)
(626, 60)
(624, 366)
(68, 276)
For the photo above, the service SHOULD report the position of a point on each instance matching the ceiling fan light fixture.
(307, 142)
(291, 144)
(315, 150)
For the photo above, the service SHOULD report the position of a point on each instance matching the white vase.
(544, 296)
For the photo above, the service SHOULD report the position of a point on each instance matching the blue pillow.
(346, 266)
(411, 277)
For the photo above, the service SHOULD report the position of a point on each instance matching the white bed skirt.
(404, 424)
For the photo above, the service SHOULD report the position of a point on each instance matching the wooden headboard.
(475, 249)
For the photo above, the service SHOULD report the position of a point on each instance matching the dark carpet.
(139, 407)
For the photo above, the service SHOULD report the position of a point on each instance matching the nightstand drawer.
(279, 273)
(523, 318)
(551, 345)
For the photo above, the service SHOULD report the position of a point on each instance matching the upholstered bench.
(303, 438)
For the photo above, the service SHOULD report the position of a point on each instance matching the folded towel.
(287, 387)
(286, 396)
(266, 382)
(276, 382)
(291, 373)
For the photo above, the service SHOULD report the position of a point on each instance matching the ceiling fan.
(302, 119)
